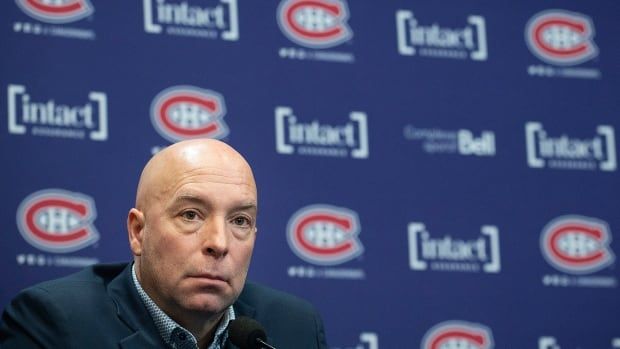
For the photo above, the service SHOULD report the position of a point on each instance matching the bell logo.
(478, 146)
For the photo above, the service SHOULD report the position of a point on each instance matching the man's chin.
(207, 304)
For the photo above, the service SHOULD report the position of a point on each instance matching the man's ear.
(135, 230)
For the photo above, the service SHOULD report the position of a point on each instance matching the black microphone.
(247, 333)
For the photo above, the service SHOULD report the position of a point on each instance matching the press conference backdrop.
(432, 174)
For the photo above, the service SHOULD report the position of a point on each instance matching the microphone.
(247, 333)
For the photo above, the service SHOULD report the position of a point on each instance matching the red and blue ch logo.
(56, 220)
(577, 244)
(561, 37)
(315, 23)
(324, 234)
(186, 112)
(458, 334)
(59, 11)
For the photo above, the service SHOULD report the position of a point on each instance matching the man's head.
(193, 228)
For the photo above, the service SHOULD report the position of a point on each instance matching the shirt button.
(182, 336)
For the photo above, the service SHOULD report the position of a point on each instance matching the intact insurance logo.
(294, 136)
(458, 334)
(211, 19)
(590, 153)
(468, 41)
(318, 26)
(57, 221)
(59, 14)
(33, 114)
(448, 252)
(563, 40)
(577, 246)
(187, 112)
(326, 236)
(460, 142)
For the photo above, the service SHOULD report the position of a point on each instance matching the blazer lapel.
(131, 311)
(140, 340)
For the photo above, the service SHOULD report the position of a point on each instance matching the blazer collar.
(132, 312)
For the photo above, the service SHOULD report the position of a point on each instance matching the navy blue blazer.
(99, 307)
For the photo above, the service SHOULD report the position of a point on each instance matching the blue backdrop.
(432, 174)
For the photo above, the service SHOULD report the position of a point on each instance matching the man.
(192, 234)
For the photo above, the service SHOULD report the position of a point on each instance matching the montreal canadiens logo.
(315, 23)
(561, 37)
(324, 235)
(57, 11)
(56, 220)
(458, 334)
(576, 244)
(186, 112)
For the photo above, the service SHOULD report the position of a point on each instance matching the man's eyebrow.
(248, 206)
(197, 200)
(188, 197)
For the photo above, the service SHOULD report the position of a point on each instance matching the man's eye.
(189, 215)
(242, 221)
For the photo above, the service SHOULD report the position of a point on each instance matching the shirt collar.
(174, 334)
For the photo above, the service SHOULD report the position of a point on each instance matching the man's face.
(197, 239)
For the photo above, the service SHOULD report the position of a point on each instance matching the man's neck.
(202, 329)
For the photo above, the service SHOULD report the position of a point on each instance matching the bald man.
(191, 233)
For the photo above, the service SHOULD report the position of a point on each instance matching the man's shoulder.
(290, 322)
(77, 288)
(68, 298)
(70, 311)
(94, 276)
(266, 299)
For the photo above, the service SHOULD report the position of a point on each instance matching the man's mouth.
(209, 277)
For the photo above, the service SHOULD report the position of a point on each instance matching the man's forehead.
(195, 163)
(207, 173)
(196, 180)
(206, 176)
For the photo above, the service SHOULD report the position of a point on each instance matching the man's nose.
(215, 237)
